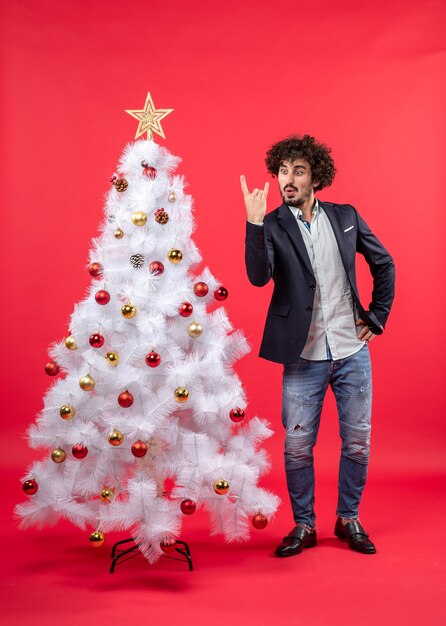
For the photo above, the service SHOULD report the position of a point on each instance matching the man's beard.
(294, 203)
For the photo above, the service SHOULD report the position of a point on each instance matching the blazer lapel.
(288, 222)
(334, 215)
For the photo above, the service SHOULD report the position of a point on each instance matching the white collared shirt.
(333, 318)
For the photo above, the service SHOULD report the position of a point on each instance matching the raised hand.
(255, 201)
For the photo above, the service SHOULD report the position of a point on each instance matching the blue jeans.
(304, 387)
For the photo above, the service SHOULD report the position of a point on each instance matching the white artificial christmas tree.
(148, 395)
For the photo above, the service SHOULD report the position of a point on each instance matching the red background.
(366, 78)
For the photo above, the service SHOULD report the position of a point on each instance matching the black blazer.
(277, 250)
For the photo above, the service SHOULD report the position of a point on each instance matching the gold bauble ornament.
(86, 383)
(67, 412)
(221, 487)
(58, 455)
(174, 255)
(70, 343)
(96, 539)
(195, 329)
(128, 311)
(119, 233)
(115, 437)
(139, 218)
(112, 358)
(172, 197)
(107, 494)
(181, 394)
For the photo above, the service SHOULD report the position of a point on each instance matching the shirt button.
(312, 287)
(309, 308)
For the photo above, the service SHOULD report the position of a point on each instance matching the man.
(317, 327)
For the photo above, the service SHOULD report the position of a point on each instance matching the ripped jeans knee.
(356, 442)
(299, 448)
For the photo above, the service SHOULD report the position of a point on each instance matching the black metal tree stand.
(120, 555)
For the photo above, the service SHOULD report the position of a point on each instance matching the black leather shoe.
(354, 534)
(298, 539)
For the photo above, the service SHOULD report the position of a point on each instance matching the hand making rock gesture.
(255, 201)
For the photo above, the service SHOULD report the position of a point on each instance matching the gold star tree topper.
(149, 119)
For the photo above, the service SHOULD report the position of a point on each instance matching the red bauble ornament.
(237, 415)
(221, 293)
(30, 486)
(168, 545)
(259, 521)
(79, 451)
(51, 368)
(153, 359)
(185, 309)
(139, 449)
(200, 289)
(95, 270)
(150, 172)
(125, 399)
(188, 507)
(102, 297)
(96, 340)
(156, 267)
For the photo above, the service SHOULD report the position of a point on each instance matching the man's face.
(295, 182)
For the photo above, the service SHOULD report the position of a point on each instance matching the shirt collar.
(298, 213)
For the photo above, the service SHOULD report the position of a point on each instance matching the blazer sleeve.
(382, 269)
(259, 254)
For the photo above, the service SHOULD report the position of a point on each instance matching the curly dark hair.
(303, 147)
